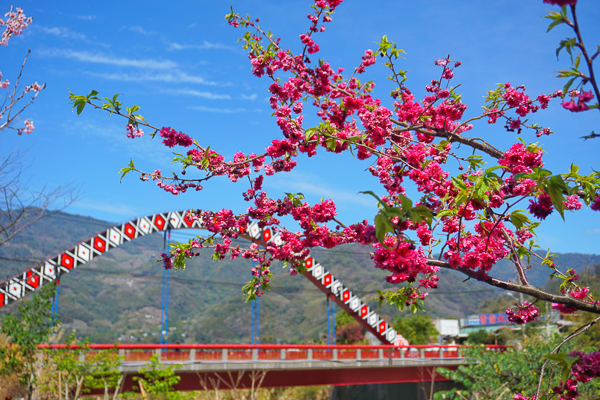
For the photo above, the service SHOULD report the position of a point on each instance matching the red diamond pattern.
(67, 261)
(267, 235)
(382, 327)
(308, 263)
(99, 244)
(346, 295)
(364, 311)
(188, 220)
(159, 222)
(33, 279)
(129, 231)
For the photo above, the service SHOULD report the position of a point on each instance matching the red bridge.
(206, 367)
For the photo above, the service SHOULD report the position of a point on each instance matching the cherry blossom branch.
(588, 59)
(528, 290)
(516, 259)
(452, 137)
(8, 109)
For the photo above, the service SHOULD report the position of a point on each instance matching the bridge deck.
(205, 366)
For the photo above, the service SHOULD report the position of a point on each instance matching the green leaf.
(552, 25)
(568, 85)
(127, 170)
(567, 44)
(406, 202)
(557, 198)
(295, 198)
(424, 212)
(309, 133)
(557, 18)
(385, 206)
(518, 219)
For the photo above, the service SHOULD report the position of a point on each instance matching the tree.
(105, 374)
(467, 216)
(157, 381)
(498, 375)
(481, 336)
(418, 329)
(30, 326)
(348, 330)
(19, 205)
(70, 364)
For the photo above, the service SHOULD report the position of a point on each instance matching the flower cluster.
(173, 138)
(35, 87)
(561, 3)
(583, 97)
(587, 367)
(14, 25)
(132, 133)
(3, 84)
(523, 313)
(28, 127)
(567, 390)
(563, 308)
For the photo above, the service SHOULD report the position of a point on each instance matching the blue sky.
(182, 65)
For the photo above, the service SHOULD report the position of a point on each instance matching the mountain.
(117, 297)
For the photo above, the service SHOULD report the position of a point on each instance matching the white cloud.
(204, 46)
(109, 207)
(307, 185)
(218, 110)
(86, 17)
(209, 95)
(66, 33)
(338, 195)
(63, 32)
(175, 77)
(196, 93)
(140, 30)
(251, 97)
(112, 135)
(592, 231)
(99, 58)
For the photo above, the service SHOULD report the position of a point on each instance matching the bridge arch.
(49, 271)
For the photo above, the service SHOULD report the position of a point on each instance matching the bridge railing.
(220, 353)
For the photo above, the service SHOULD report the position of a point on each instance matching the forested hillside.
(117, 297)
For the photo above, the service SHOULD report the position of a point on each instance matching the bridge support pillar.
(224, 355)
(158, 351)
(254, 354)
(335, 354)
(422, 353)
(192, 355)
(282, 354)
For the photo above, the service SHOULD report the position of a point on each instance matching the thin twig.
(578, 332)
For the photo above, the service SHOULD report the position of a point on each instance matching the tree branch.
(528, 290)
(476, 143)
